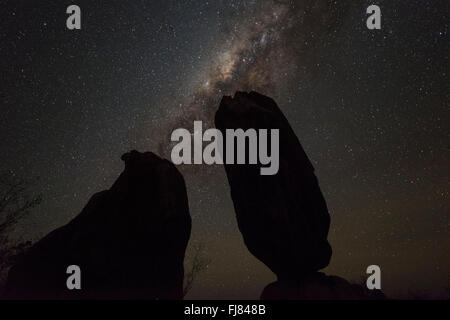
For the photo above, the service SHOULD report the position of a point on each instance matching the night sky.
(370, 107)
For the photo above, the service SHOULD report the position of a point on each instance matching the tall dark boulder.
(129, 241)
(283, 217)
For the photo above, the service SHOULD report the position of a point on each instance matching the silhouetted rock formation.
(129, 241)
(283, 218)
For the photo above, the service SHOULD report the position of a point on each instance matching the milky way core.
(260, 52)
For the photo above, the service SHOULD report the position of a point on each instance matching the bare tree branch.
(199, 263)
(16, 201)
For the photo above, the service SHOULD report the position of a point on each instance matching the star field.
(370, 107)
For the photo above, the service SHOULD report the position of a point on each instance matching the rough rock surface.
(318, 286)
(283, 218)
(129, 241)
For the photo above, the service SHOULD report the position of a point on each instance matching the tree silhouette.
(198, 264)
(16, 201)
